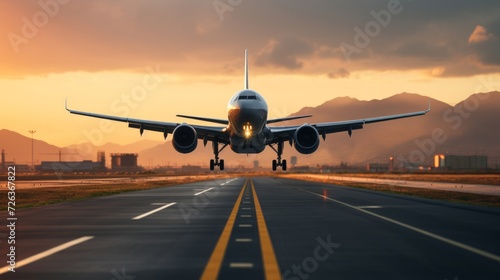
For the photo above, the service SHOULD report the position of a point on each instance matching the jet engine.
(306, 139)
(185, 138)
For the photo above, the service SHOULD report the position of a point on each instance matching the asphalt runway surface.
(254, 228)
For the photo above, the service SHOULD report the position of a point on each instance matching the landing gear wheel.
(216, 162)
(279, 152)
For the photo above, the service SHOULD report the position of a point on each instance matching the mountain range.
(471, 127)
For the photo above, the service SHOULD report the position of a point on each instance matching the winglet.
(246, 68)
(428, 109)
(66, 104)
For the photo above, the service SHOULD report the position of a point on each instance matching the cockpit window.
(252, 97)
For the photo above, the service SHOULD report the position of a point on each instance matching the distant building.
(124, 163)
(101, 158)
(454, 162)
(70, 166)
(3, 166)
(377, 167)
(86, 166)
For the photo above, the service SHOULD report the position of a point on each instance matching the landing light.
(247, 130)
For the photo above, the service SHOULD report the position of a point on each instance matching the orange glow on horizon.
(38, 102)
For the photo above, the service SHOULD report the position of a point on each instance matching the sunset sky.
(153, 59)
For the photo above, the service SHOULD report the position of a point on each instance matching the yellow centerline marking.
(271, 268)
(215, 262)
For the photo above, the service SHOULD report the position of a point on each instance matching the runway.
(255, 228)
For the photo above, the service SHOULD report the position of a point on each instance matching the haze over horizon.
(154, 59)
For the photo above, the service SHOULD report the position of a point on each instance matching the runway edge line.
(47, 253)
(457, 244)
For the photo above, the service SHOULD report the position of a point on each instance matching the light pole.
(32, 162)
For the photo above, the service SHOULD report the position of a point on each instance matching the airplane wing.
(287, 119)
(221, 121)
(208, 133)
(281, 133)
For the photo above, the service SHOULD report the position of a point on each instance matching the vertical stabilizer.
(246, 68)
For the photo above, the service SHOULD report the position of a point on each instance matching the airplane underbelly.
(247, 146)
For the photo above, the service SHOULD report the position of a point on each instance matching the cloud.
(339, 73)
(285, 53)
(187, 37)
(423, 50)
(479, 35)
(485, 43)
(438, 71)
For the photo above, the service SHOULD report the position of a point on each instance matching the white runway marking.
(228, 181)
(241, 265)
(415, 229)
(153, 211)
(370, 207)
(246, 216)
(47, 253)
(243, 240)
(244, 225)
(203, 191)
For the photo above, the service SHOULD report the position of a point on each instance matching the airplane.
(247, 129)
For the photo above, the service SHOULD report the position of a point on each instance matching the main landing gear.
(279, 162)
(216, 161)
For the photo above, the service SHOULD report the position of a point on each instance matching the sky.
(153, 59)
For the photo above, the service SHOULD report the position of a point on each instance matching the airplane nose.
(246, 119)
(245, 115)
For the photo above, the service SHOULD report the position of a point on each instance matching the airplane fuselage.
(247, 115)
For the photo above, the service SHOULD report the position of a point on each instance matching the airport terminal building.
(455, 162)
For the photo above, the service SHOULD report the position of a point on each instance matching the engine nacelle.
(306, 139)
(185, 138)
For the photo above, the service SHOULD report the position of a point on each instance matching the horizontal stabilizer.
(221, 121)
(287, 119)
